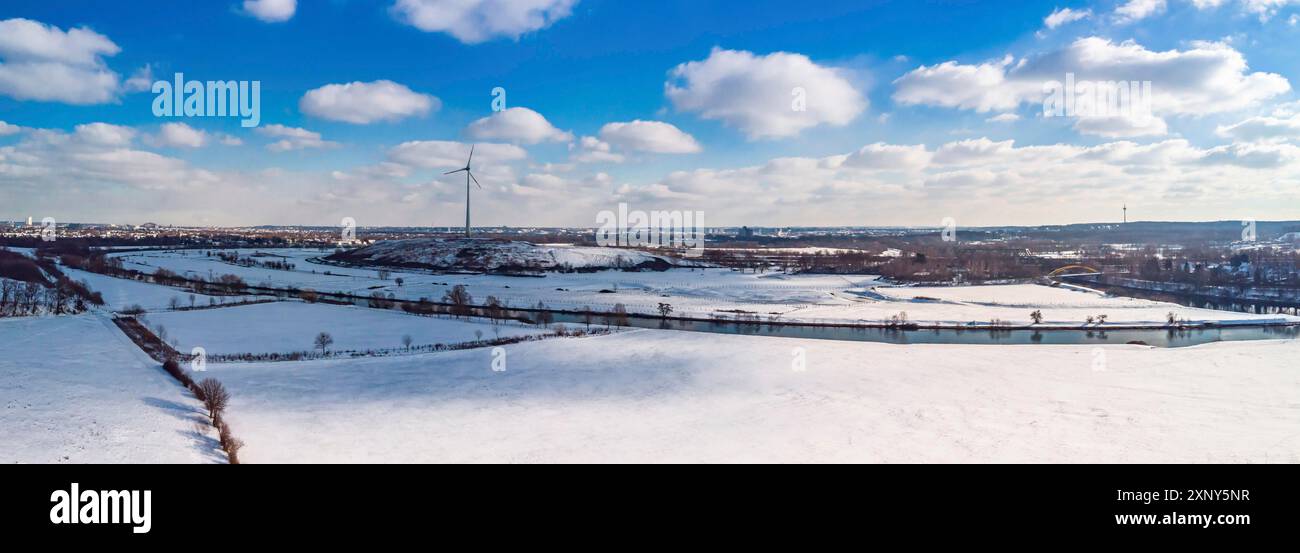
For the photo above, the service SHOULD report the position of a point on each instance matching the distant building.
(745, 232)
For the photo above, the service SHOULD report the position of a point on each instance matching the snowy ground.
(700, 292)
(665, 396)
(121, 293)
(1061, 306)
(75, 390)
(288, 327)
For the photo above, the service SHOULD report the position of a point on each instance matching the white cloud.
(93, 154)
(1135, 10)
(104, 134)
(445, 154)
(141, 81)
(889, 157)
(1062, 16)
(1264, 9)
(649, 136)
(1206, 78)
(364, 103)
(972, 151)
(6, 129)
(44, 63)
(475, 21)
(521, 125)
(292, 138)
(759, 94)
(594, 150)
(271, 11)
(1003, 118)
(178, 135)
(1121, 126)
(1263, 129)
(983, 88)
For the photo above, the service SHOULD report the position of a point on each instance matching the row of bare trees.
(19, 299)
(215, 398)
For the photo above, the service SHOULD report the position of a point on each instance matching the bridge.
(1073, 270)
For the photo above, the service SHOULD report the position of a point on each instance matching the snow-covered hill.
(479, 254)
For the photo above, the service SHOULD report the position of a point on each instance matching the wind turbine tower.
(468, 176)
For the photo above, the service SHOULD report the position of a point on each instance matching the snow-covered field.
(1061, 306)
(120, 294)
(287, 327)
(484, 254)
(74, 389)
(666, 396)
(703, 292)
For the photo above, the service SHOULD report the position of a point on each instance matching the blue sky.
(916, 111)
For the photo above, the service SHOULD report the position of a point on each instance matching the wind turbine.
(468, 175)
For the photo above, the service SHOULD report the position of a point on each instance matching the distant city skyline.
(875, 114)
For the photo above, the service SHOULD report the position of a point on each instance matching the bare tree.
(406, 341)
(665, 310)
(324, 341)
(544, 316)
(459, 298)
(1037, 316)
(215, 397)
(620, 314)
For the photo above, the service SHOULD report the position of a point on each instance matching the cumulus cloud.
(984, 87)
(1135, 10)
(292, 138)
(141, 81)
(6, 129)
(1262, 129)
(271, 11)
(1209, 77)
(654, 137)
(520, 125)
(771, 96)
(980, 181)
(1062, 16)
(92, 154)
(476, 21)
(1264, 9)
(104, 134)
(889, 157)
(446, 154)
(1119, 126)
(364, 103)
(44, 63)
(594, 150)
(178, 135)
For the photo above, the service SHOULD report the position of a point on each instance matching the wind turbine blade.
(471, 155)
(471, 175)
(456, 171)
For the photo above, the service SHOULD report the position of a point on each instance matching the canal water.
(1169, 338)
